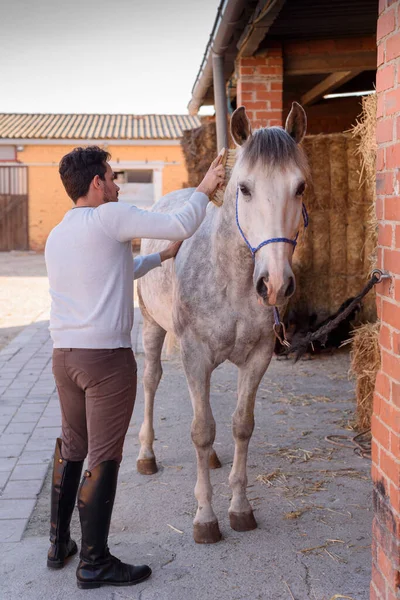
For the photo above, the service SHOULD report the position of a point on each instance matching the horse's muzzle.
(272, 296)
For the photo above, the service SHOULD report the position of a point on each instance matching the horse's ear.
(296, 123)
(240, 126)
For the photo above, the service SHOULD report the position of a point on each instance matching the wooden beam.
(309, 64)
(330, 83)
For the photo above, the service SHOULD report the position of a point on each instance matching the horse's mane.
(274, 147)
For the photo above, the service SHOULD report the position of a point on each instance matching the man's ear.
(97, 182)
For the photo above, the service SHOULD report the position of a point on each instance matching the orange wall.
(48, 201)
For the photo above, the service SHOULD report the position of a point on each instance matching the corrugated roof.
(95, 127)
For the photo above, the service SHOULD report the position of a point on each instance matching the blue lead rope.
(253, 251)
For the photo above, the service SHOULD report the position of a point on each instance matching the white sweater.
(91, 269)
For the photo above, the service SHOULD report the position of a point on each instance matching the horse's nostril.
(290, 287)
(261, 288)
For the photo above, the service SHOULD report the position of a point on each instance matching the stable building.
(145, 155)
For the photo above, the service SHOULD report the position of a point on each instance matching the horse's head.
(270, 176)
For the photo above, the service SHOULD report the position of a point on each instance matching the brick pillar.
(385, 583)
(259, 87)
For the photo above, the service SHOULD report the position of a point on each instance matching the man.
(91, 272)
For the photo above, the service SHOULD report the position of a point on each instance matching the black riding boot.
(95, 503)
(66, 477)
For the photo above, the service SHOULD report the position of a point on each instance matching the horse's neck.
(230, 256)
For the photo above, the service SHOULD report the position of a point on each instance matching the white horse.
(217, 298)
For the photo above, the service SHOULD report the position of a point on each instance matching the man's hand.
(215, 176)
(170, 251)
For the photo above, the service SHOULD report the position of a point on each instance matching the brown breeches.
(97, 391)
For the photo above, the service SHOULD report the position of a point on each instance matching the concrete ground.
(312, 499)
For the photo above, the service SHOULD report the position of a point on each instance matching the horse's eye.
(301, 189)
(245, 190)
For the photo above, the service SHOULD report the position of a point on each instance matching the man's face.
(110, 188)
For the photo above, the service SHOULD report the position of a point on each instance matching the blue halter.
(271, 240)
(277, 321)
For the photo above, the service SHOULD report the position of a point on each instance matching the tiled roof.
(95, 127)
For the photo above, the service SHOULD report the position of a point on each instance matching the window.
(8, 153)
(140, 176)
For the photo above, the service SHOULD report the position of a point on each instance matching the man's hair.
(79, 167)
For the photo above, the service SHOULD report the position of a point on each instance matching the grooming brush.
(228, 160)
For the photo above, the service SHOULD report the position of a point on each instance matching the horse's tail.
(171, 344)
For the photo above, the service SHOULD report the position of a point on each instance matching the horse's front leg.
(198, 373)
(250, 374)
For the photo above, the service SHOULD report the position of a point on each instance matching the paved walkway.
(29, 422)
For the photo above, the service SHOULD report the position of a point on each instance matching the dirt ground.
(312, 499)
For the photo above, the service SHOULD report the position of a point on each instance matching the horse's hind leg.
(240, 511)
(198, 373)
(153, 339)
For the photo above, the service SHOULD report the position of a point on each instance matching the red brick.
(385, 338)
(252, 61)
(382, 385)
(380, 432)
(393, 156)
(384, 130)
(256, 105)
(385, 78)
(247, 97)
(392, 209)
(382, 6)
(397, 290)
(390, 466)
(394, 447)
(385, 566)
(386, 24)
(379, 581)
(381, 54)
(380, 159)
(392, 102)
(380, 109)
(395, 393)
(390, 366)
(268, 114)
(246, 70)
(385, 235)
(393, 47)
(394, 497)
(392, 264)
(396, 342)
(384, 183)
(277, 85)
(397, 236)
(391, 313)
(259, 87)
(398, 127)
(379, 209)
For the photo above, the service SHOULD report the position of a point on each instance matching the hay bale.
(337, 221)
(199, 148)
(365, 364)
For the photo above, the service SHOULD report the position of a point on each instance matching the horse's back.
(169, 203)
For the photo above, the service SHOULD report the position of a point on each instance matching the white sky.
(93, 56)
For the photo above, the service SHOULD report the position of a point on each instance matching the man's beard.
(108, 198)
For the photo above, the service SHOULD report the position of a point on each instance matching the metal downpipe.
(220, 101)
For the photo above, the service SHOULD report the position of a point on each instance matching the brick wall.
(385, 583)
(260, 85)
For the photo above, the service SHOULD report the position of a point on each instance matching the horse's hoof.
(242, 521)
(206, 533)
(146, 466)
(214, 462)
